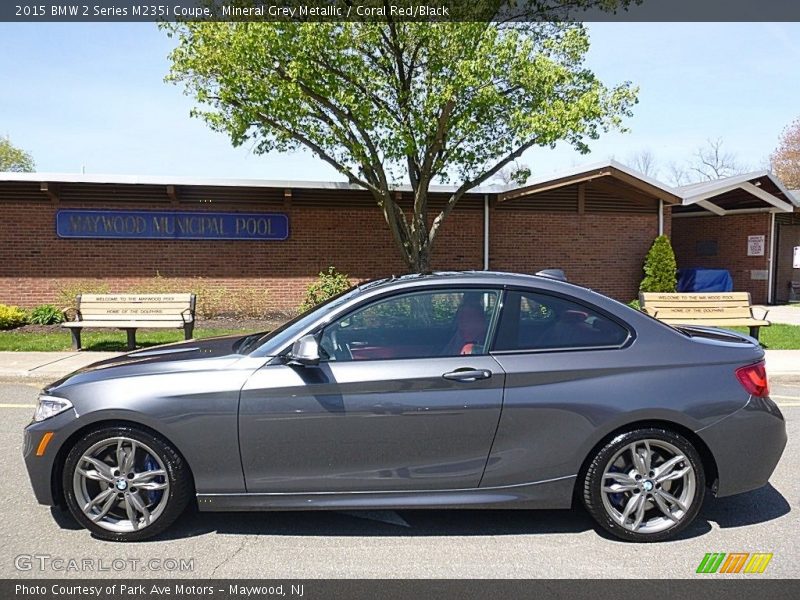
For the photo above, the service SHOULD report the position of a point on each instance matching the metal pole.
(486, 232)
(771, 266)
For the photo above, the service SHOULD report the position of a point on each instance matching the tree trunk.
(422, 264)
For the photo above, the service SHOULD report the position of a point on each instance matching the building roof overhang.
(599, 172)
(759, 191)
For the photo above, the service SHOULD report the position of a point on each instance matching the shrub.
(660, 268)
(158, 284)
(46, 314)
(328, 284)
(635, 304)
(68, 293)
(210, 298)
(247, 303)
(12, 316)
(210, 301)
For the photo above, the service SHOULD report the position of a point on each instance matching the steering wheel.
(338, 351)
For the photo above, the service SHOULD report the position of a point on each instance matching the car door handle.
(468, 375)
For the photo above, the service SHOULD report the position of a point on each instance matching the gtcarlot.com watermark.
(58, 564)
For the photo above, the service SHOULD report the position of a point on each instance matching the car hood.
(194, 355)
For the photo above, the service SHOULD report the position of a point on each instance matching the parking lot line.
(17, 406)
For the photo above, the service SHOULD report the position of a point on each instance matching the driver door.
(390, 406)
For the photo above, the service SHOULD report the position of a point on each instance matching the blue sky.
(92, 95)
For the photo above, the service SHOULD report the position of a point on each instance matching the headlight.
(50, 406)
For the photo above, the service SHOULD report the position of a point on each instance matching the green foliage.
(635, 304)
(14, 159)
(521, 175)
(247, 303)
(660, 269)
(210, 298)
(12, 316)
(68, 293)
(418, 101)
(46, 314)
(106, 340)
(328, 284)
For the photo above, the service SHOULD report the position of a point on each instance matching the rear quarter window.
(532, 321)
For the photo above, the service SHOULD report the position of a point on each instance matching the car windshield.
(289, 330)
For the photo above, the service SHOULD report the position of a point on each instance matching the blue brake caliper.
(617, 499)
(152, 496)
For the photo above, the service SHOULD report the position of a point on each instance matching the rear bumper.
(746, 446)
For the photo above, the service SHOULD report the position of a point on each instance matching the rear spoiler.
(724, 335)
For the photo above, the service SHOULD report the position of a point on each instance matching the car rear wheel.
(124, 484)
(645, 485)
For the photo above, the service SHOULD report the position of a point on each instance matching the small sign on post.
(755, 245)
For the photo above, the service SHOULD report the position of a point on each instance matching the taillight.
(754, 379)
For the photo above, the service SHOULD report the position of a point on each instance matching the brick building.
(734, 223)
(595, 222)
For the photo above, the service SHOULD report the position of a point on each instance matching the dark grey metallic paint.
(259, 433)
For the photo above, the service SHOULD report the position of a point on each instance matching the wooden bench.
(131, 312)
(715, 309)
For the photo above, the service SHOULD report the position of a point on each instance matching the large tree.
(785, 160)
(386, 102)
(14, 159)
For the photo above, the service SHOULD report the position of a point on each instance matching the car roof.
(493, 278)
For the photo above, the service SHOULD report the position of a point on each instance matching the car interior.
(457, 323)
(414, 326)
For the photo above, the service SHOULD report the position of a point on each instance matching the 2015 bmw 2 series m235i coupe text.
(458, 390)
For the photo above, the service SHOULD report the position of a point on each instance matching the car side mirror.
(305, 351)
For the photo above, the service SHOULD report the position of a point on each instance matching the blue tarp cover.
(704, 280)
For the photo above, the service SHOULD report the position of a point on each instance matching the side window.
(531, 321)
(419, 325)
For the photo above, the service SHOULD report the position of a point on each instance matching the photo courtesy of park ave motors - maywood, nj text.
(391, 299)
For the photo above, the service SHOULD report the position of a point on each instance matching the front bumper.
(41, 468)
(746, 446)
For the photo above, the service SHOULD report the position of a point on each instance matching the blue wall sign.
(171, 225)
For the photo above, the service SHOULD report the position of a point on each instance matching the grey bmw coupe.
(457, 390)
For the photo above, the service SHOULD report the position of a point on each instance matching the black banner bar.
(714, 587)
(398, 10)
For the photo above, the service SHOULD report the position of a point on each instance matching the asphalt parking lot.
(429, 544)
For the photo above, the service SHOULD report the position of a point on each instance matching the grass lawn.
(107, 341)
(777, 336)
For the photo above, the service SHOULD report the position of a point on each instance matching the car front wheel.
(124, 484)
(645, 485)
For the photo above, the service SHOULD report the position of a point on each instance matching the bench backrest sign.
(171, 225)
(689, 297)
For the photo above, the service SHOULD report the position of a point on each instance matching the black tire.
(177, 474)
(592, 485)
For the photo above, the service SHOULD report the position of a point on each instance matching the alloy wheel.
(121, 484)
(648, 486)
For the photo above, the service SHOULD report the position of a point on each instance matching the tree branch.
(469, 184)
